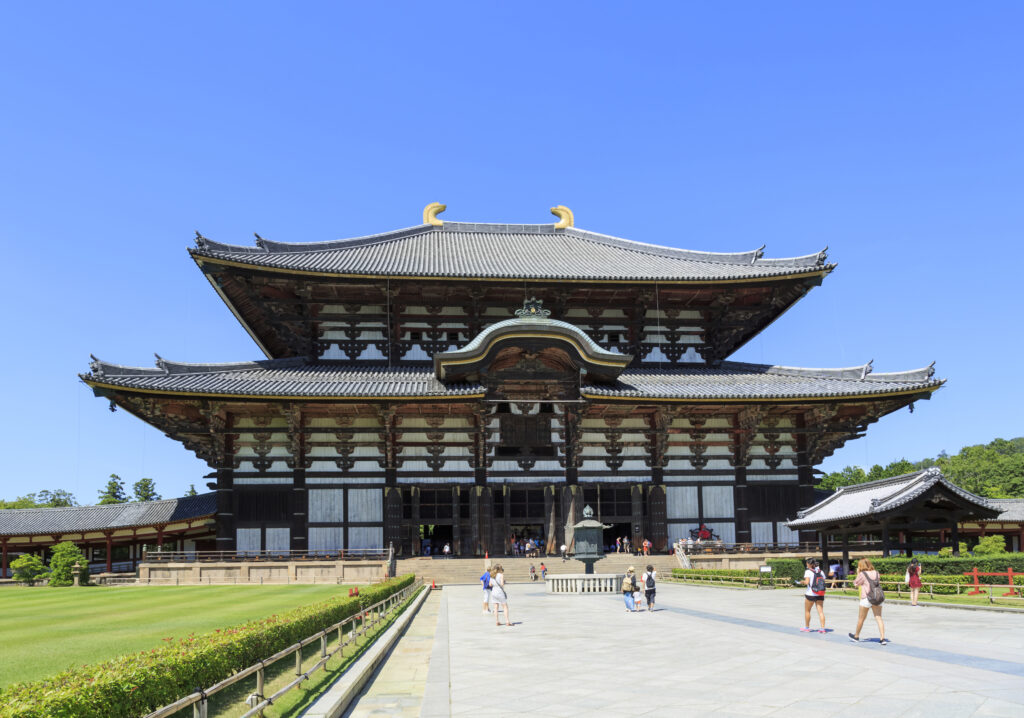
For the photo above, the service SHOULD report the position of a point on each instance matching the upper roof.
(1009, 509)
(297, 378)
(75, 519)
(503, 251)
(877, 498)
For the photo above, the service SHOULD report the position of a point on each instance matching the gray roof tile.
(880, 497)
(508, 251)
(74, 519)
(296, 377)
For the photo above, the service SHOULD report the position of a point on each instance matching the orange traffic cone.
(486, 556)
(433, 584)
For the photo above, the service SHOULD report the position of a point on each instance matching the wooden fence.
(360, 624)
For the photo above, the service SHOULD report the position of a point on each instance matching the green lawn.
(46, 630)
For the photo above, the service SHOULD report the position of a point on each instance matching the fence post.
(259, 685)
(323, 645)
(298, 660)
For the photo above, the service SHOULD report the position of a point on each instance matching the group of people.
(872, 596)
(521, 546)
(635, 594)
(496, 593)
(623, 545)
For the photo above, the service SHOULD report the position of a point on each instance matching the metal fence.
(360, 626)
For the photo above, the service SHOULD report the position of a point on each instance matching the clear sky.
(891, 132)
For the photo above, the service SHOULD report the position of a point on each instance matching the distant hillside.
(995, 470)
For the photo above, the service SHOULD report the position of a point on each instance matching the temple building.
(466, 382)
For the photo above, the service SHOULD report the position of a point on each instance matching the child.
(638, 599)
(543, 571)
(533, 573)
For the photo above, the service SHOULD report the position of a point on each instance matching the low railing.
(360, 625)
(584, 583)
(760, 580)
(352, 554)
(990, 590)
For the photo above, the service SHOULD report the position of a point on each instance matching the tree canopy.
(145, 490)
(44, 499)
(994, 470)
(113, 492)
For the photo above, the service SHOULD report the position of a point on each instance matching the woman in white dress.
(499, 597)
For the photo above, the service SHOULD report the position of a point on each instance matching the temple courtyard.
(705, 651)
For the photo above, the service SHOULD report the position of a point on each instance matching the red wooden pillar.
(3, 558)
(110, 551)
(159, 538)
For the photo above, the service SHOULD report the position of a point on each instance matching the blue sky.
(892, 133)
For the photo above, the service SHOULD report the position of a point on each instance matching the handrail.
(199, 699)
(1016, 592)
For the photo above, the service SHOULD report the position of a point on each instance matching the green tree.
(113, 492)
(56, 498)
(191, 490)
(28, 568)
(145, 490)
(988, 545)
(62, 561)
(847, 477)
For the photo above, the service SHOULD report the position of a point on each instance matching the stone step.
(456, 571)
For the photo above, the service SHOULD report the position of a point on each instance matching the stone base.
(259, 572)
(576, 583)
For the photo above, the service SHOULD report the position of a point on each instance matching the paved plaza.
(705, 651)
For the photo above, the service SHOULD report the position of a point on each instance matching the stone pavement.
(397, 688)
(717, 652)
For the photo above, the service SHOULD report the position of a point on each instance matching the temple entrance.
(525, 532)
(617, 530)
(433, 537)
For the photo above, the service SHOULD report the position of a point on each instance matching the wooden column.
(414, 497)
(846, 551)
(742, 510)
(3, 557)
(637, 528)
(110, 550)
(456, 522)
(225, 510)
(823, 541)
(657, 518)
(955, 538)
(550, 526)
(804, 473)
(885, 539)
(506, 526)
(476, 546)
(910, 543)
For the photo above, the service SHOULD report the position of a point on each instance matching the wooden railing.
(360, 625)
(1014, 592)
(352, 554)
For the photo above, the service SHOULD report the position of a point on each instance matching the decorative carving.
(533, 308)
(746, 422)
(431, 211)
(564, 214)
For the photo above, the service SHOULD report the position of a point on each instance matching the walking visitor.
(533, 572)
(648, 581)
(543, 571)
(564, 550)
(628, 587)
(618, 544)
(486, 581)
(814, 579)
(499, 596)
(871, 597)
(913, 579)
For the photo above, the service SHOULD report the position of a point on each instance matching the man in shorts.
(647, 582)
(486, 581)
(814, 596)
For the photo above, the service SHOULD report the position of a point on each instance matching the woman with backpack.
(914, 581)
(628, 586)
(648, 581)
(871, 597)
(814, 579)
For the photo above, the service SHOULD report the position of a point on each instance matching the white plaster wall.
(681, 502)
(326, 505)
(718, 502)
(326, 538)
(365, 537)
(365, 505)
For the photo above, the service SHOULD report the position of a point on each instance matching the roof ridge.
(120, 505)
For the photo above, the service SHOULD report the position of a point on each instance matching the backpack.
(650, 581)
(876, 596)
(818, 582)
(627, 584)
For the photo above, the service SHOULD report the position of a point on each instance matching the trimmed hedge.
(931, 566)
(723, 572)
(139, 683)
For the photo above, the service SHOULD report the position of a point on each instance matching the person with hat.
(628, 586)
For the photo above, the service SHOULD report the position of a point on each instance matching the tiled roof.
(533, 251)
(75, 519)
(1009, 509)
(876, 498)
(296, 377)
(739, 380)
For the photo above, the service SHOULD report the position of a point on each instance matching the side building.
(468, 382)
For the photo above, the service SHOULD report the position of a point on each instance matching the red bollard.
(350, 593)
(433, 584)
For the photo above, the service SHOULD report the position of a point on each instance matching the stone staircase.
(455, 571)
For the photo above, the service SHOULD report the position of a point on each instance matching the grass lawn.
(46, 630)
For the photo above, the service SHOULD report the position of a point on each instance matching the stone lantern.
(589, 535)
(75, 572)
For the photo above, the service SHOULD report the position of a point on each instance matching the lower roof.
(300, 379)
(873, 500)
(78, 519)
